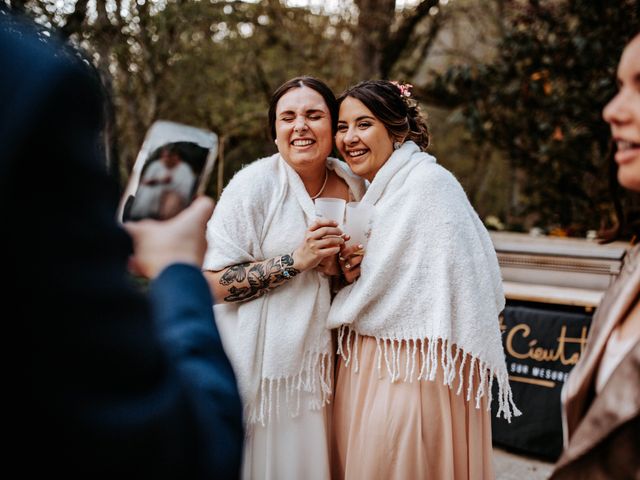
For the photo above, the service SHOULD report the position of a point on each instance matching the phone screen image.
(172, 168)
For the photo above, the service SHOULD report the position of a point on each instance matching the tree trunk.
(372, 35)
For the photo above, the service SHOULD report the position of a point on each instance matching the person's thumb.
(199, 211)
(132, 228)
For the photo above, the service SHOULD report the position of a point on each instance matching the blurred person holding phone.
(601, 398)
(116, 384)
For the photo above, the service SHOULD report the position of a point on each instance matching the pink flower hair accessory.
(405, 88)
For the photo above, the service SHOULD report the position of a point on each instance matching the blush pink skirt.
(402, 430)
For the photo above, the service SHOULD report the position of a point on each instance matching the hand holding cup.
(359, 216)
(349, 261)
(331, 209)
(322, 240)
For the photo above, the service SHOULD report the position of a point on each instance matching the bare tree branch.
(261, 76)
(398, 42)
(437, 96)
(75, 20)
(427, 44)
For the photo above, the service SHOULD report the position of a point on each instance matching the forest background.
(513, 89)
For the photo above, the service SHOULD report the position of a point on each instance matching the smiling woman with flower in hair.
(419, 336)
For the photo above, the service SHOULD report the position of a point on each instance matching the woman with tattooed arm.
(269, 265)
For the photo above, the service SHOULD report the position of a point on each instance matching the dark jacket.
(109, 383)
(602, 432)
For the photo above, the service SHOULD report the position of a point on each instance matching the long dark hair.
(399, 114)
(299, 82)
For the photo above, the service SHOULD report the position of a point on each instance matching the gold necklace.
(326, 177)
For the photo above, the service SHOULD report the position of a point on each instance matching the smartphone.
(173, 166)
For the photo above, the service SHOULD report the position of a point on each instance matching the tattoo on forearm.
(236, 273)
(247, 281)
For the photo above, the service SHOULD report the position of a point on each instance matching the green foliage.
(540, 102)
(524, 137)
(214, 64)
(208, 63)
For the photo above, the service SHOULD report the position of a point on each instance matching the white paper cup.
(359, 216)
(331, 208)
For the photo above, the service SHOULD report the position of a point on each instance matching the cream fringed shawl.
(429, 277)
(278, 344)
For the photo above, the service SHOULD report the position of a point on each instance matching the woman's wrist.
(298, 261)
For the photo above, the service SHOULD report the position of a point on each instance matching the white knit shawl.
(429, 277)
(278, 344)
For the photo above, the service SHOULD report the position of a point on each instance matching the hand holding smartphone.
(172, 168)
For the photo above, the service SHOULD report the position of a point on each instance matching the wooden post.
(220, 166)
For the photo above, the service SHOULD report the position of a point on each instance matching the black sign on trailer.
(542, 343)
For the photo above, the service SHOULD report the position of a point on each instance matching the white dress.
(288, 448)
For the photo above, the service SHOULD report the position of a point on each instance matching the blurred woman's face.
(363, 140)
(303, 128)
(623, 115)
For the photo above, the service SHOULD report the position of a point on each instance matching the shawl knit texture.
(430, 281)
(278, 343)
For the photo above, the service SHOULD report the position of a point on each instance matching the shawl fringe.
(315, 377)
(422, 363)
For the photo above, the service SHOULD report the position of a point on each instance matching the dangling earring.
(396, 145)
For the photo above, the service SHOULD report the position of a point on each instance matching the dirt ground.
(509, 466)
